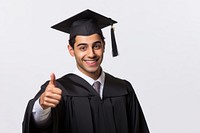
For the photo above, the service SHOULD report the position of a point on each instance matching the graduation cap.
(87, 23)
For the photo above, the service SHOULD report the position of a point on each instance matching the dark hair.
(72, 40)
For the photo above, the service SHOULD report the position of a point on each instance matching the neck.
(94, 75)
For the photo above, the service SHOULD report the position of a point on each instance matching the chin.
(92, 70)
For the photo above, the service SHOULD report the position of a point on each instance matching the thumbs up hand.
(52, 95)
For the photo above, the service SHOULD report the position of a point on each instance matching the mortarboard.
(87, 23)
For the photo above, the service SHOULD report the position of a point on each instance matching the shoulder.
(119, 81)
(67, 81)
(64, 78)
(73, 85)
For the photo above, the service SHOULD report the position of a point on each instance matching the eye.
(83, 48)
(97, 46)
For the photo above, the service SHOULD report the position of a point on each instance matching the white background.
(159, 47)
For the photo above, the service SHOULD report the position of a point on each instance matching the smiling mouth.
(91, 62)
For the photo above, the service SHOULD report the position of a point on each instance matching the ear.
(71, 50)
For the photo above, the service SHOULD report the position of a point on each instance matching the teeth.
(91, 61)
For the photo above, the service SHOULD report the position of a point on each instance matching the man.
(88, 100)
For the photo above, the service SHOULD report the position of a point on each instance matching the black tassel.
(113, 41)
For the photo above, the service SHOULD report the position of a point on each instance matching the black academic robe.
(81, 110)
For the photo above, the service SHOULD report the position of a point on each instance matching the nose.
(91, 52)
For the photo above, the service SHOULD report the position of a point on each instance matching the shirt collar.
(101, 78)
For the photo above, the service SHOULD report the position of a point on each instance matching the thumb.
(52, 79)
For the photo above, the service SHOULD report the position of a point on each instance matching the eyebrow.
(96, 42)
(80, 44)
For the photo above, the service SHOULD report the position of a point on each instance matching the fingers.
(56, 95)
(54, 90)
(51, 100)
(52, 95)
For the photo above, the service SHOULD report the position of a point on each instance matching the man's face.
(88, 52)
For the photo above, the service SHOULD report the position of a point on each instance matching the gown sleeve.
(28, 124)
(135, 113)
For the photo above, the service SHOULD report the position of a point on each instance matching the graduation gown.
(81, 110)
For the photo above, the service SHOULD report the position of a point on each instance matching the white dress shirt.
(41, 115)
